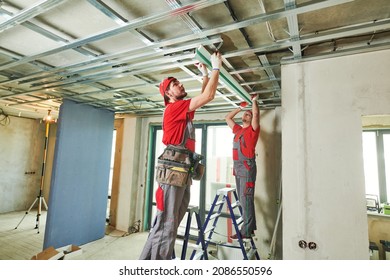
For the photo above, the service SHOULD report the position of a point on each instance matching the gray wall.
(21, 151)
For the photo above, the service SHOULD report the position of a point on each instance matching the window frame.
(381, 163)
(150, 172)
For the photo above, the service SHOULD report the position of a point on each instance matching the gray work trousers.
(246, 198)
(161, 240)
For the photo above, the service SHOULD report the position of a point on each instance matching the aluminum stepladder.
(221, 197)
(200, 244)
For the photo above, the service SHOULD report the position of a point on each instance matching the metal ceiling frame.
(29, 13)
(202, 55)
(54, 83)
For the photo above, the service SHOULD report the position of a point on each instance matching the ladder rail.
(211, 216)
(200, 244)
(186, 236)
(242, 247)
(201, 239)
(201, 234)
(215, 216)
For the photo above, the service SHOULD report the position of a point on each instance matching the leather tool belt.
(177, 165)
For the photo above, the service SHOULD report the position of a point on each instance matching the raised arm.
(230, 116)
(255, 113)
(205, 74)
(210, 89)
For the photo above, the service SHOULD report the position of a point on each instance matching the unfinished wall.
(268, 185)
(126, 184)
(323, 179)
(21, 150)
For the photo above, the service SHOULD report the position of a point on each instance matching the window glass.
(386, 149)
(111, 175)
(376, 152)
(219, 168)
(195, 187)
(219, 174)
(370, 163)
(159, 148)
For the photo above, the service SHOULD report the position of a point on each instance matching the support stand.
(40, 199)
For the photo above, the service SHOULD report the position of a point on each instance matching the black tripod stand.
(40, 199)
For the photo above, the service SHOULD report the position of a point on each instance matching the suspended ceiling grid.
(113, 54)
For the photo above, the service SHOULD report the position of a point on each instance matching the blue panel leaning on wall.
(80, 176)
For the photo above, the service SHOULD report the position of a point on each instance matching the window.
(195, 189)
(111, 176)
(376, 155)
(219, 170)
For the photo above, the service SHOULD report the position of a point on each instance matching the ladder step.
(215, 215)
(192, 209)
(193, 231)
(198, 255)
(179, 241)
(251, 253)
(207, 230)
(239, 221)
(235, 204)
(189, 245)
(225, 191)
(219, 202)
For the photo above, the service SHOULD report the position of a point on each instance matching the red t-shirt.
(250, 138)
(175, 122)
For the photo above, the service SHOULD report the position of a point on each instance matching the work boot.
(235, 237)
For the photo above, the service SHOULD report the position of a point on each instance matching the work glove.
(216, 60)
(203, 69)
(243, 105)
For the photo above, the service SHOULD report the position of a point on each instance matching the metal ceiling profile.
(29, 13)
(112, 54)
(202, 55)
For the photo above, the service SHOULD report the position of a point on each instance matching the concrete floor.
(25, 241)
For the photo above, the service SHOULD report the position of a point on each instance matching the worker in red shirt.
(172, 199)
(244, 162)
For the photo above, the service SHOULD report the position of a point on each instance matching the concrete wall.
(268, 184)
(323, 180)
(126, 183)
(21, 151)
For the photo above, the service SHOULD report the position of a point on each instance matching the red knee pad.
(160, 199)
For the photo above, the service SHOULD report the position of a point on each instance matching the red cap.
(164, 85)
(244, 104)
